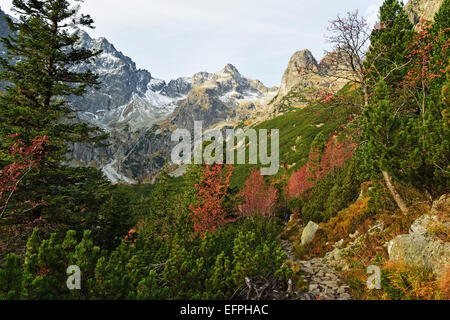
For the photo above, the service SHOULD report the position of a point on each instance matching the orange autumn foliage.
(334, 156)
(209, 213)
(259, 198)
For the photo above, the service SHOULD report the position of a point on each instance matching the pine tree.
(38, 71)
(426, 132)
(41, 55)
(115, 219)
(161, 212)
(442, 18)
(441, 30)
(11, 278)
(390, 39)
(404, 130)
(149, 289)
(383, 147)
(387, 63)
(30, 266)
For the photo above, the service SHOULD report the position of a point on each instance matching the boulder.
(309, 232)
(421, 251)
(423, 224)
(420, 247)
(337, 257)
(339, 244)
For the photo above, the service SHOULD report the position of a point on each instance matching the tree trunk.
(397, 197)
(366, 95)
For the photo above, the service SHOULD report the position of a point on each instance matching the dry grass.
(345, 223)
(348, 221)
(398, 281)
(444, 283)
(413, 283)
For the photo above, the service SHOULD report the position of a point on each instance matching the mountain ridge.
(140, 111)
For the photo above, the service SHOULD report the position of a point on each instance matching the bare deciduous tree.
(350, 38)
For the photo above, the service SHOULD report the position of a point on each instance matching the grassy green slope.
(298, 130)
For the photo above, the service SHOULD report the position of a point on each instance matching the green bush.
(147, 266)
(332, 194)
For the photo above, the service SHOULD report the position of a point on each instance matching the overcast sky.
(173, 38)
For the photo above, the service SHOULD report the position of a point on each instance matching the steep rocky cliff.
(303, 77)
(4, 31)
(127, 95)
(301, 70)
(422, 9)
(222, 99)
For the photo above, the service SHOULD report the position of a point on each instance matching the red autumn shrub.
(26, 159)
(259, 198)
(299, 183)
(424, 66)
(209, 213)
(334, 156)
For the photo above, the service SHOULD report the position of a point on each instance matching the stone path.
(324, 281)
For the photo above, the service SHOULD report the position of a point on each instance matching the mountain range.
(140, 111)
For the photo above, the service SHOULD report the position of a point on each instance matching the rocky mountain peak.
(85, 38)
(104, 44)
(230, 69)
(177, 88)
(303, 58)
(298, 66)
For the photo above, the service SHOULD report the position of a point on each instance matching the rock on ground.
(420, 248)
(324, 281)
(309, 232)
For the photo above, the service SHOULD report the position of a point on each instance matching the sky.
(177, 38)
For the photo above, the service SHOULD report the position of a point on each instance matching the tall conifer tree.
(387, 57)
(406, 137)
(428, 167)
(38, 73)
(387, 62)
